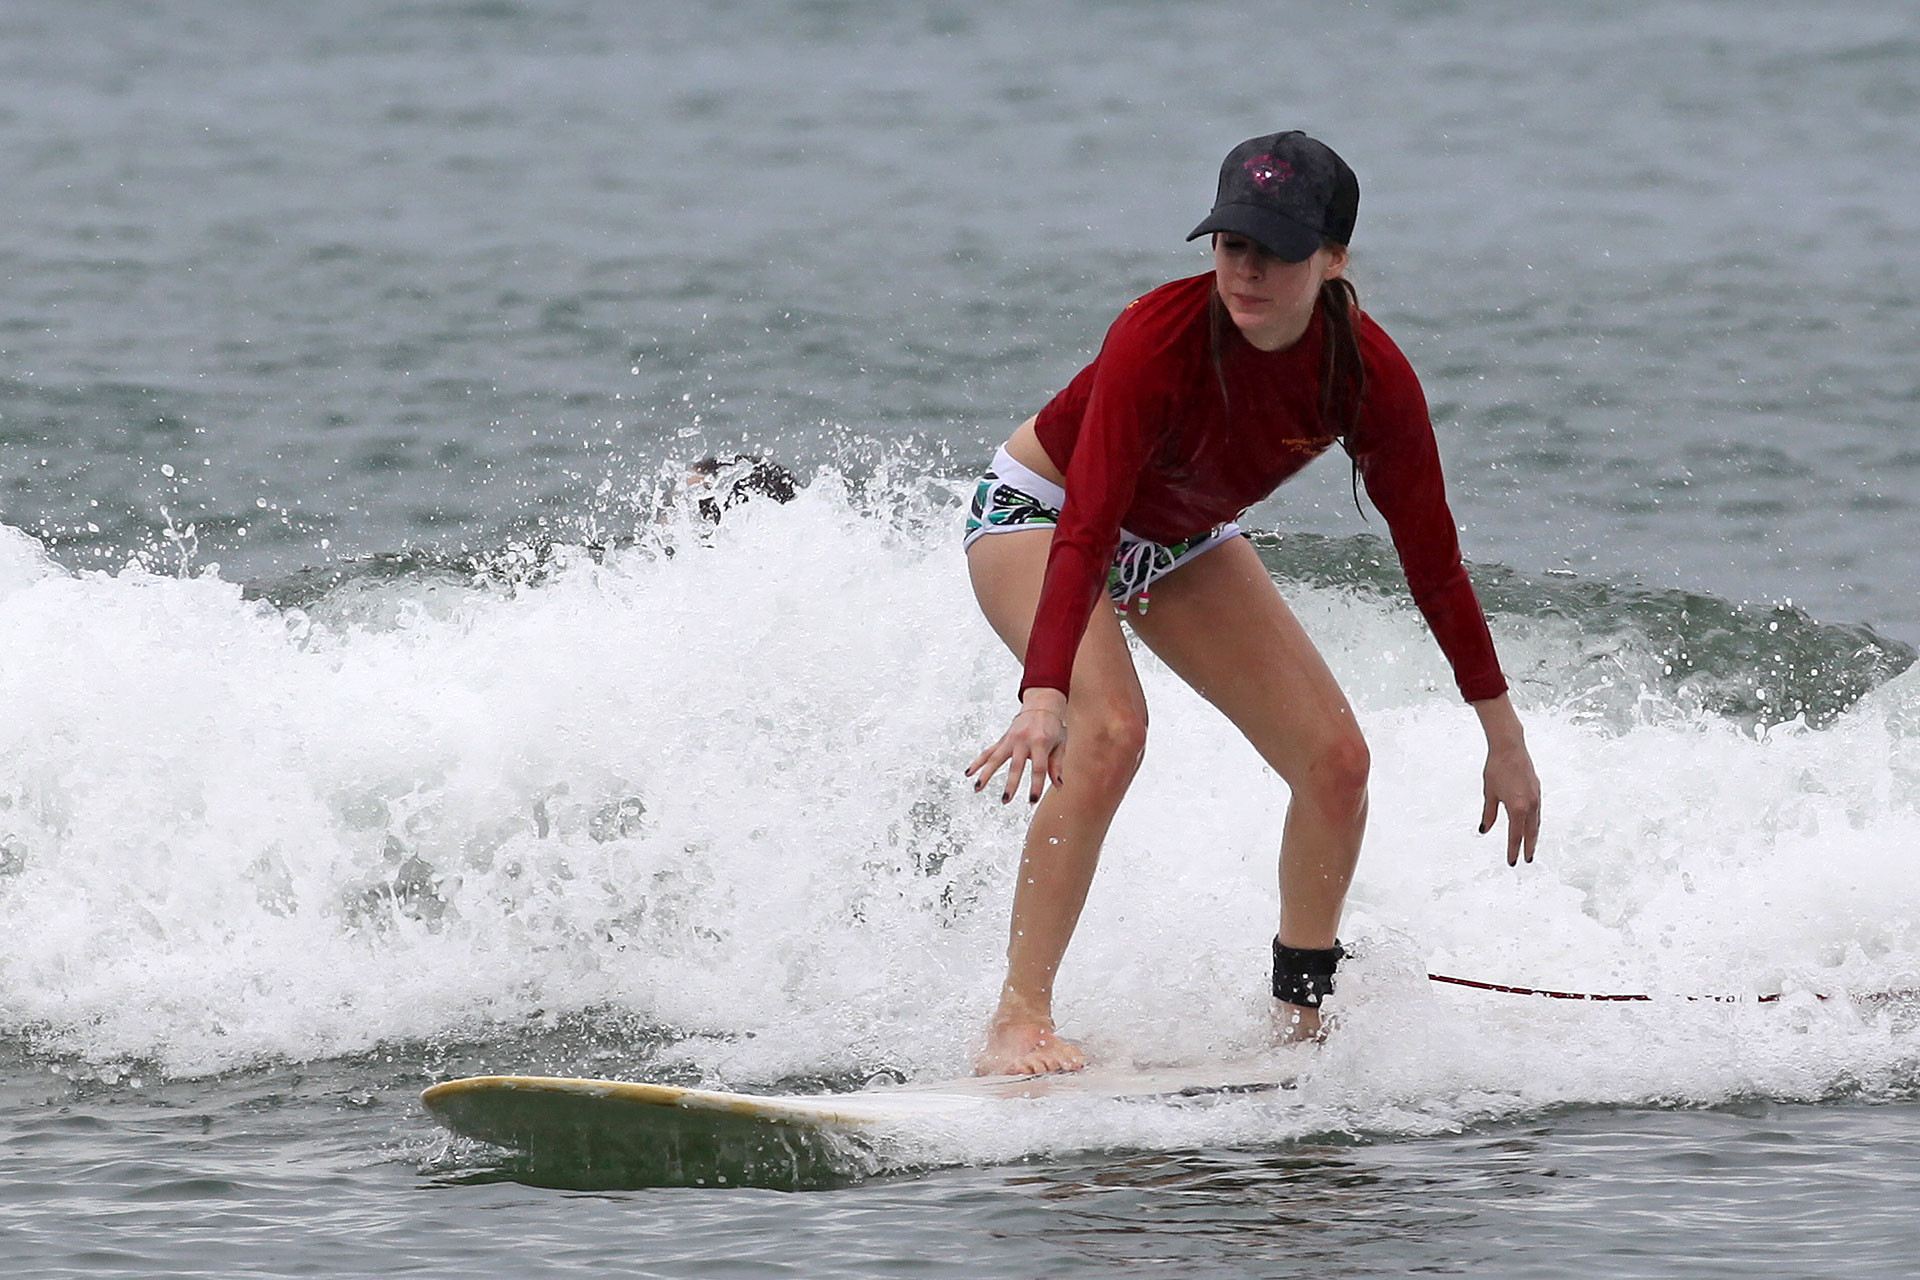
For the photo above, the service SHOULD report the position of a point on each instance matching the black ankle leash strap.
(1304, 975)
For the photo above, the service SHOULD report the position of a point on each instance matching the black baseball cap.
(1286, 192)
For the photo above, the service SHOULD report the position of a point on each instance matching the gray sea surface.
(421, 273)
(381, 330)
(313, 1170)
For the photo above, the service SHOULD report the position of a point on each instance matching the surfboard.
(603, 1133)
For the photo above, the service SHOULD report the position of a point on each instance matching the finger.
(1488, 812)
(1516, 829)
(1016, 767)
(992, 758)
(1045, 770)
(1533, 831)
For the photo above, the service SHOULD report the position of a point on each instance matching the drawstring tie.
(1137, 562)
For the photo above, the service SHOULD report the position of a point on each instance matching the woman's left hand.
(1509, 779)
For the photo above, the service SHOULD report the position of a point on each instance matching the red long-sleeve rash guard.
(1147, 444)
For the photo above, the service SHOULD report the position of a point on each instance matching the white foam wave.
(720, 791)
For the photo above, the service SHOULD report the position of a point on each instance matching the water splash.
(705, 781)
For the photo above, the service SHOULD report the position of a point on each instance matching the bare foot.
(1025, 1049)
(1297, 1023)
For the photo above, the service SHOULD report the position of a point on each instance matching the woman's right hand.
(1037, 739)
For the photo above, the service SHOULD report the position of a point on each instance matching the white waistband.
(1027, 480)
(1011, 471)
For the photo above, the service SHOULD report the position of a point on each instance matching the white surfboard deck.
(455, 1100)
(656, 1134)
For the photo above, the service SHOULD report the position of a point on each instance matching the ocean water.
(376, 708)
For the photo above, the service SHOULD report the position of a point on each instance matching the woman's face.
(1270, 300)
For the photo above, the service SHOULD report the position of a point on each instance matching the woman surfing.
(1208, 393)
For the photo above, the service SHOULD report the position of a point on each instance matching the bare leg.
(1106, 734)
(1220, 623)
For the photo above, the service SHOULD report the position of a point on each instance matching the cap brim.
(1278, 234)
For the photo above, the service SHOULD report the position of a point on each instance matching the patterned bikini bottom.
(1012, 496)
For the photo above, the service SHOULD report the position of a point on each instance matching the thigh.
(1007, 570)
(1219, 622)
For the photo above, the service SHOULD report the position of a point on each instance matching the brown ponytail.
(1343, 377)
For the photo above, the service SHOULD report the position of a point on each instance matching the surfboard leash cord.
(1504, 989)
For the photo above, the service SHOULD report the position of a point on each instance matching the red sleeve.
(1399, 460)
(1123, 420)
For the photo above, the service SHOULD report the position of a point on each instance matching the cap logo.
(1265, 171)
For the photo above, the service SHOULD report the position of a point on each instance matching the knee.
(1337, 775)
(1109, 745)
